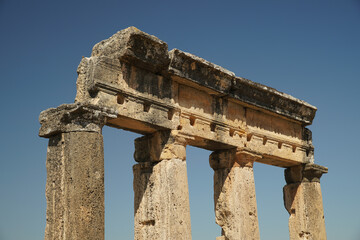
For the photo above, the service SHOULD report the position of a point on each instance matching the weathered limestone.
(303, 201)
(162, 209)
(234, 194)
(152, 89)
(75, 172)
(132, 82)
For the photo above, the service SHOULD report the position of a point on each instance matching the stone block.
(234, 195)
(162, 209)
(75, 187)
(200, 71)
(73, 117)
(161, 145)
(303, 201)
(136, 47)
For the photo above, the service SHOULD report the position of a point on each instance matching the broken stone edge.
(208, 74)
(73, 117)
(307, 172)
(146, 51)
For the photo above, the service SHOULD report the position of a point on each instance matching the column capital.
(246, 158)
(236, 157)
(308, 172)
(74, 117)
(161, 145)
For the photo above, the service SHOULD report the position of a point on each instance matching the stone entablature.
(175, 99)
(151, 89)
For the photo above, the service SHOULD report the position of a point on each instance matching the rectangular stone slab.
(151, 89)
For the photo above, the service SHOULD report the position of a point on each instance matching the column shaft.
(162, 209)
(75, 186)
(234, 195)
(75, 171)
(303, 201)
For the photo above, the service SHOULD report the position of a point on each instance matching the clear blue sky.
(309, 49)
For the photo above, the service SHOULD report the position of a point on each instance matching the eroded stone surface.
(162, 209)
(75, 186)
(234, 194)
(73, 118)
(152, 89)
(175, 99)
(75, 171)
(133, 45)
(303, 201)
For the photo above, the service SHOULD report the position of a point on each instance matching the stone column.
(234, 194)
(303, 201)
(162, 209)
(75, 172)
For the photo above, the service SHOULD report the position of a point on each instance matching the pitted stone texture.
(204, 73)
(303, 201)
(161, 145)
(137, 47)
(240, 157)
(234, 195)
(152, 89)
(132, 82)
(199, 70)
(73, 118)
(75, 187)
(273, 100)
(162, 209)
(93, 70)
(304, 173)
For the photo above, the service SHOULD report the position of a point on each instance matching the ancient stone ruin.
(175, 99)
